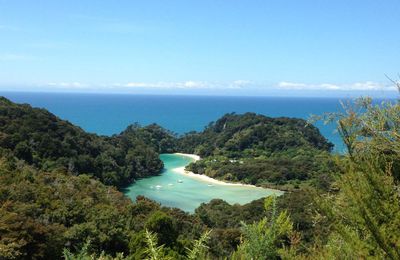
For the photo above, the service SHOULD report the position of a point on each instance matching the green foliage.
(286, 170)
(160, 139)
(302, 206)
(47, 142)
(264, 239)
(219, 214)
(84, 254)
(50, 208)
(199, 247)
(365, 214)
(151, 250)
(233, 134)
(42, 213)
(155, 252)
(254, 149)
(225, 219)
(164, 226)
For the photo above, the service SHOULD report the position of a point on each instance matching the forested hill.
(159, 138)
(47, 142)
(255, 134)
(259, 150)
(248, 148)
(50, 214)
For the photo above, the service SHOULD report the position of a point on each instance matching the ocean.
(108, 114)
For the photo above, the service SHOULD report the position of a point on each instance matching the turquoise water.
(190, 193)
(108, 114)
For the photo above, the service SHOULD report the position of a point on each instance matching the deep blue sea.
(109, 114)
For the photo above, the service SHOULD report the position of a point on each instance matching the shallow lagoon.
(175, 190)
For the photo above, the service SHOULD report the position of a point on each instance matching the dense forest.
(57, 200)
(43, 213)
(41, 139)
(255, 149)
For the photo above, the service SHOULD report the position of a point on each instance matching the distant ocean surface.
(108, 114)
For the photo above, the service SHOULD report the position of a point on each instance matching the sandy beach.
(193, 156)
(205, 178)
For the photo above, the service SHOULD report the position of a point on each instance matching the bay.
(176, 190)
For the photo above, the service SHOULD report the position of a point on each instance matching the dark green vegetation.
(43, 212)
(160, 139)
(254, 149)
(337, 207)
(47, 142)
(359, 218)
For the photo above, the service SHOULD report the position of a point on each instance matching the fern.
(154, 251)
(263, 239)
(199, 246)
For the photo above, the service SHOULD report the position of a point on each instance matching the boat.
(179, 181)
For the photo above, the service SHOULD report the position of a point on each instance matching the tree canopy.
(43, 140)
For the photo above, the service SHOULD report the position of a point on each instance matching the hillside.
(254, 134)
(42, 213)
(43, 140)
(47, 211)
(160, 139)
(49, 172)
(260, 150)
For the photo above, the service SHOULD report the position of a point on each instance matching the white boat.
(180, 181)
(158, 187)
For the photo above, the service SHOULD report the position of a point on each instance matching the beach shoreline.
(205, 178)
(195, 157)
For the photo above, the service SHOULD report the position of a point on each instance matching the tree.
(265, 239)
(365, 214)
(197, 251)
(164, 226)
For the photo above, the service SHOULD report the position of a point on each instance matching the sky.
(207, 47)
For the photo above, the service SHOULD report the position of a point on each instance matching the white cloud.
(185, 84)
(329, 86)
(237, 84)
(136, 85)
(213, 86)
(133, 84)
(291, 85)
(194, 84)
(68, 85)
(356, 86)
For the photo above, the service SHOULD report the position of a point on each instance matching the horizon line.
(350, 95)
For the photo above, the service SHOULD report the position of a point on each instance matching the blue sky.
(232, 47)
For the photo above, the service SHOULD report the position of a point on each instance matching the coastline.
(205, 178)
(193, 156)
